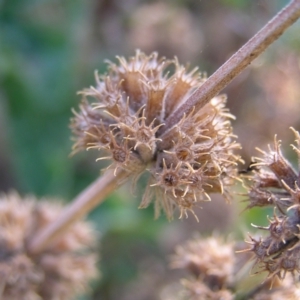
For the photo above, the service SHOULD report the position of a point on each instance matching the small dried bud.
(130, 104)
(275, 183)
(277, 164)
(60, 272)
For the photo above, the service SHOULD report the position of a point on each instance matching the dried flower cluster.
(211, 262)
(216, 271)
(123, 118)
(276, 184)
(60, 272)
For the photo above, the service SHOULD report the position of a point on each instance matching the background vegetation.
(49, 50)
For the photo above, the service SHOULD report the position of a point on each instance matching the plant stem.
(236, 63)
(93, 195)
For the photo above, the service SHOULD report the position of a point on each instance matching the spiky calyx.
(60, 272)
(130, 104)
(275, 183)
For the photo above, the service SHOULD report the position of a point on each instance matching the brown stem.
(81, 205)
(237, 63)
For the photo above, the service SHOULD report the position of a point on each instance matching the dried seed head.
(211, 262)
(60, 272)
(197, 290)
(210, 259)
(275, 183)
(194, 289)
(127, 108)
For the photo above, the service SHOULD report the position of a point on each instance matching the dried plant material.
(211, 262)
(275, 183)
(122, 117)
(61, 271)
(197, 290)
(286, 289)
(291, 293)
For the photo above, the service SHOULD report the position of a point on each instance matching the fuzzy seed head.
(60, 272)
(123, 114)
(211, 263)
(210, 259)
(197, 290)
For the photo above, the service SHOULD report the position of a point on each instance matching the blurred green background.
(49, 50)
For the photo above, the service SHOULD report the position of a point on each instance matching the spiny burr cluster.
(124, 113)
(59, 272)
(211, 262)
(276, 184)
(216, 271)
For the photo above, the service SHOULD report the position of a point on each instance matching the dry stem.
(93, 195)
(237, 63)
(98, 190)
